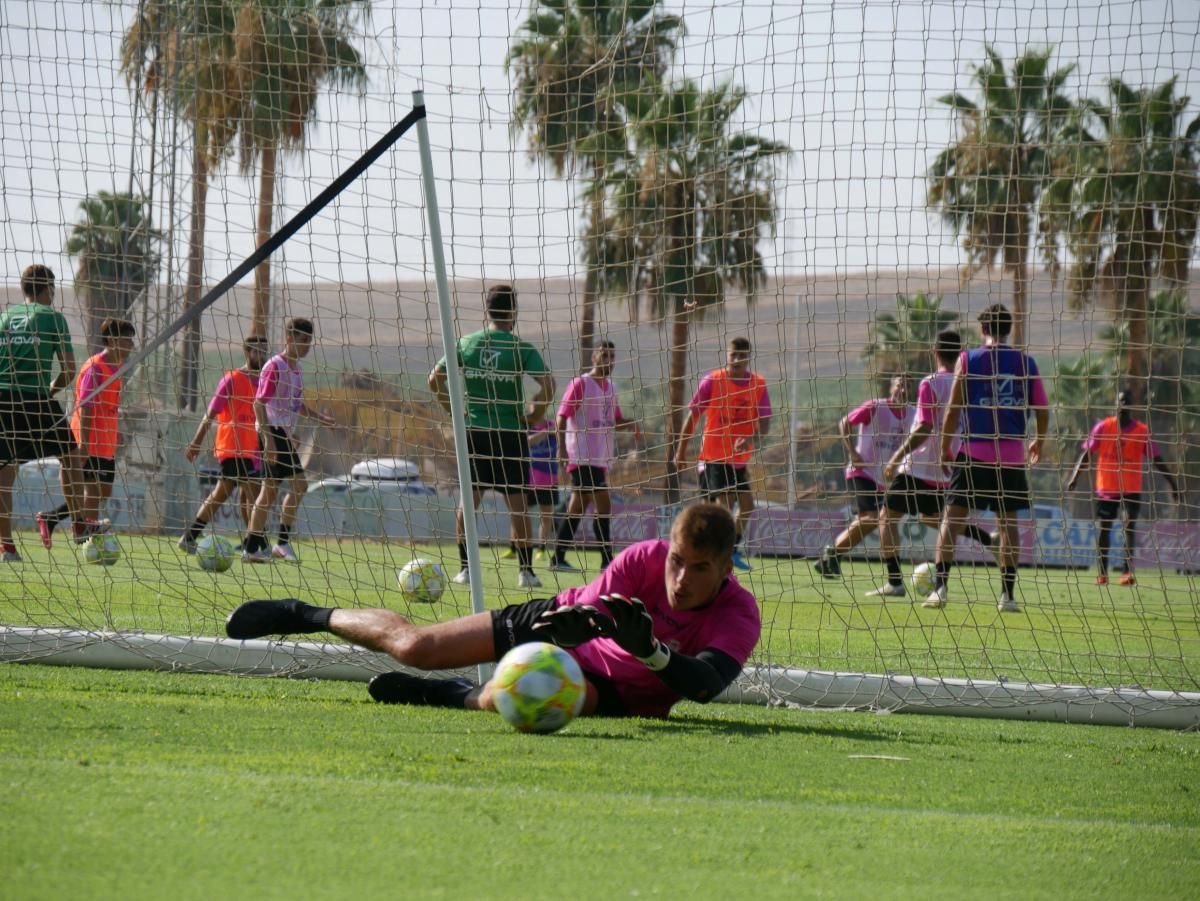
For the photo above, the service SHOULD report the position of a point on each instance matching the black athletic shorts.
(868, 497)
(914, 496)
(287, 462)
(722, 478)
(240, 469)
(32, 426)
(1110, 507)
(513, 625)
(100, 469)
(542, 496)
(588, 478)
(987, 486)
(499, 460)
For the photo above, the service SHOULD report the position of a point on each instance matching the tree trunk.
(1136, 304)
(189, 375)
(1020, 274)
(677, 374)
(262, 232)
(587, 309)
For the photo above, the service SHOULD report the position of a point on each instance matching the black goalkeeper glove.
(568, 627)
(630, 626)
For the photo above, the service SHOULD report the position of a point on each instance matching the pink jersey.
(281, 388)
(881, 430)
(730, 624)
(591, 411)
(925, 462)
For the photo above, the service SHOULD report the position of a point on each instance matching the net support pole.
(454, 383)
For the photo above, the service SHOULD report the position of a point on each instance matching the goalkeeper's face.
(694, 576)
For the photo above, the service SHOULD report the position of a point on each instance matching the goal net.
(835, 182)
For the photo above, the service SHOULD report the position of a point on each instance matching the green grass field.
(135, 785)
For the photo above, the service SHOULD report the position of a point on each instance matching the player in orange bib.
(737, 414)
(94, 423)
(1117, 448)
(236, 446)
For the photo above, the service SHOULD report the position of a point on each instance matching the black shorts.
(542, 496)
(868, 497)
(287, 462)
(513, 625)
(240, 469)
(499, 460)
(722, 478)
(987, 486)
(587, 478)
(1110, 507)
(914, 496)
(32, 426)
(99, 469)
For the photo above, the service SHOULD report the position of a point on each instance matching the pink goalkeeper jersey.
(925, 462)
(881, 429)
(730, 624)
(591, 411)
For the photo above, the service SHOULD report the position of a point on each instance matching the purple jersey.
(730, 624)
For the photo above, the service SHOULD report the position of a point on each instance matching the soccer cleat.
(539, 554)
(887, 590)
(527, 579)
(1007, 603)
(936, 599)
(254, 619)
(45, 529)
(259, 556)
(403, 688)
(509, 554)
(463, 577)
(285, 553)
(828, 566)
(1102, 580)
(562, 566)
(1127, 579)
(187, 544)
(740, 562)
(10, 557)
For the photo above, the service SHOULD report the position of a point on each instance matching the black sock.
(57, 515)
(976, 534)
(1008, 578)
(602, 529)
(462, 555)
(893, 570)
(195, 529)
(254, 543)
(943, 574)
(316, 617)
(285, 533)
(525, 556)
(1102, 547)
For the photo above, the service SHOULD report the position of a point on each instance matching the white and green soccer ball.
(102, 550)
(538, 687)
(421, 581)
(924, 578)
(214, 554)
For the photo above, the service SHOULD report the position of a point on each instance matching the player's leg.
(254, 547)
(602, 523)
(1133, 508)
(208, 509)
(1012, 492)
(1106, 513)
(577, 504)
(460, 536)
(897, 501)
(297, 488)
(744, 498)
(868, 499)
(8, 548)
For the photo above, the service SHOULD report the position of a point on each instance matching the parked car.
(400, 476)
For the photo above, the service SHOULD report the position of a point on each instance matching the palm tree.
(181, 51)
(287, 52)
(705, 197)
(987, 184)
(1126, 202)
(117, 253)
(902, 342)
(571, 66)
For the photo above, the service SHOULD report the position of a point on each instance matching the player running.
(665, 621)
(236, 446)
(915, 474)
(1119, 445)
(882, 425)
(995, 388)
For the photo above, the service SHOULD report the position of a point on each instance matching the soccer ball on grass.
(421, 580)
(102, 550)
(924, 578)
(538, 687)
(214, 554)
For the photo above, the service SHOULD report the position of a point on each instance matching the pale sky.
(850, 85)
